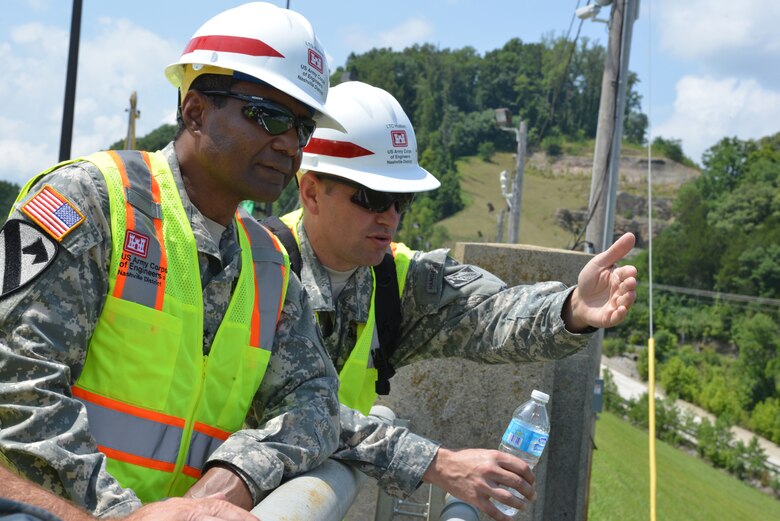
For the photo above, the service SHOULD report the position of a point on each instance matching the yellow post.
(651, 414)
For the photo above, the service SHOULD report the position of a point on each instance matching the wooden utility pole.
(601, 214)
(517, 184)
(134, 114)
(609, 133)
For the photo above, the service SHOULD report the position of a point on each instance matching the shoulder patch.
(463, 276)
(25, 251)
(53, 212)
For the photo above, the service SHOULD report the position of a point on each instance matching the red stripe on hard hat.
(329, 147)
(237, 44)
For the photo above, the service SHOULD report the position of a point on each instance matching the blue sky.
(708, 68)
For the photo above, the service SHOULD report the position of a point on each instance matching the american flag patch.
(53, 212)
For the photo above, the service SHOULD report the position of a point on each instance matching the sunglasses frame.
(364, 196)
(263, 106)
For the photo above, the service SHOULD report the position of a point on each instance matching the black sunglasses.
(372, 200)
(272, 116)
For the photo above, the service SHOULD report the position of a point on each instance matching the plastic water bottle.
(525, 437)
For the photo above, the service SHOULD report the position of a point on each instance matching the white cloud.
(706, 29)
(707, 109)
(405, 34)
(120, 58)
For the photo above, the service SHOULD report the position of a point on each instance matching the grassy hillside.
(548, 185)
(688, 488)
(542, 194)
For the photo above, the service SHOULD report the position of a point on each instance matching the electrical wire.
(564, 73)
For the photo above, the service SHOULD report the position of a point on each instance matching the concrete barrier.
(464, 404)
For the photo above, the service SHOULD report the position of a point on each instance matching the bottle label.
(520, 437)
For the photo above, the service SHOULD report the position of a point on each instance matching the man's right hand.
(476, 475)
(211, 508)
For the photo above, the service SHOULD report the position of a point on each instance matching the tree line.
(451, 95)
(721, 355)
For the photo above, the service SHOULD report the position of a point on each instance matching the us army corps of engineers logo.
(134, 262)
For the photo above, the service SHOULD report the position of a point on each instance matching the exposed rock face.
(630, 216)
(630, 210)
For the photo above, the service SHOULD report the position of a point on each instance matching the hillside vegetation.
(687, 488)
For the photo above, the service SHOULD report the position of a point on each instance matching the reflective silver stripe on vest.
(268, 277)
(141, 290)
(133, 435)
(201, 447)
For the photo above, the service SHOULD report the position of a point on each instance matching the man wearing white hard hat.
(153, 343)
(381, 305)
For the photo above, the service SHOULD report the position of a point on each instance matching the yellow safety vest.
(157, 407)
(357, 388)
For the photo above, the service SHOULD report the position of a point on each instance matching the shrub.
(765, 419)
(679, 379)
(485, 150)
(553, 146)
(612, 400)
(614, 347)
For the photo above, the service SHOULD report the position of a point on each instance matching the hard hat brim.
(414, 179)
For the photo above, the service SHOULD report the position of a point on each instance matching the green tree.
(8, 193)
(486, 150)
(679, 256)
(154, 140)
(672, 149)
(724, 166)
(635, 122)
(758, 339)
(679, 379)
(765, 419)
(419, 230)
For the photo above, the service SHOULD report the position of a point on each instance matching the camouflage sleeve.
(459, 310)
(294, 422)
(47, 314)
(394, 456)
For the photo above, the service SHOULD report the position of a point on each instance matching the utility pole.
(609, 133)
(504, 120)
(66, 133)
(517, 184)
(134, 114)
(606, 155)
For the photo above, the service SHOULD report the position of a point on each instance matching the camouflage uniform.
(448, 310)
(45, 328)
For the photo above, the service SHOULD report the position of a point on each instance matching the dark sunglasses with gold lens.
(274, 117)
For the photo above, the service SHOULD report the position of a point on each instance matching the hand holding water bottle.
(526, 437)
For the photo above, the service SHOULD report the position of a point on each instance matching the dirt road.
(630, 387)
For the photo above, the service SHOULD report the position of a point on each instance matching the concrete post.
(464, 404)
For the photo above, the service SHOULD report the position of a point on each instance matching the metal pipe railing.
(457, 510)
(323, 494)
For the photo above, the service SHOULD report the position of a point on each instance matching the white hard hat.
(260, 42)
(379, 149)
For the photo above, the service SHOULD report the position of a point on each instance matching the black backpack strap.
(387, 302)
(286, 237)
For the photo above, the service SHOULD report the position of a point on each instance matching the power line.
(717, 295)
(564, 74)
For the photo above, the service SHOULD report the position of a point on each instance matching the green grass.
(542, 195)
(688, 489)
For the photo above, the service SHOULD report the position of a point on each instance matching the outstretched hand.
(476, 475)
(604, 292)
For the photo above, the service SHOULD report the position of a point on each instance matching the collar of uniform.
(355, 298)
(203, 239)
